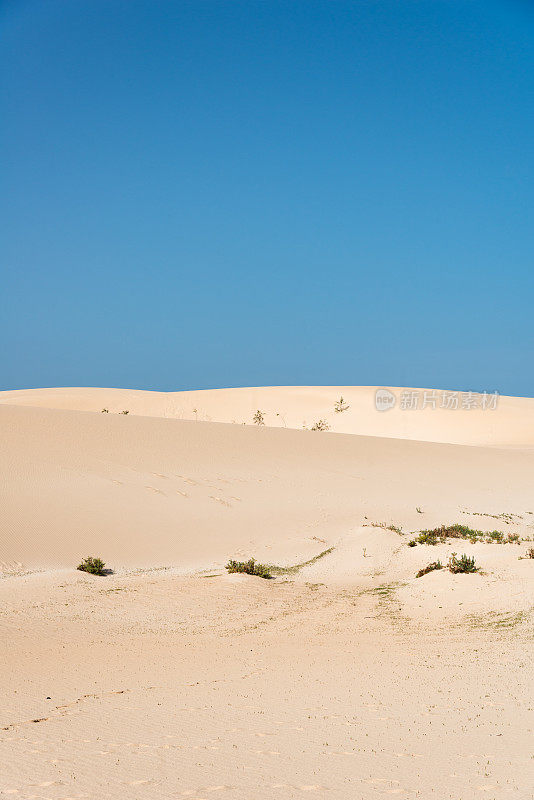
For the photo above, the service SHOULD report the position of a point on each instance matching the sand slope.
(343, 677)
(144, 491)
(511, 424)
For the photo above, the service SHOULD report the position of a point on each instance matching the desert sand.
(344, 676)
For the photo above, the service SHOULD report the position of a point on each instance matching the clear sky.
(202, 194)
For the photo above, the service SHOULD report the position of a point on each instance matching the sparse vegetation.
(93, 565)
(250, 567)
(297, 567)
(530, 552)
(429, 568)
(391, 527)
(258, 418)
(418, 510)
(463, 564)
(444, 532)
(320, 425)
(412, 543)
(341, 406)
(105, 411)
(125, 412)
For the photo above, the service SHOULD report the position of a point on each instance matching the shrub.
(320, 425)
(250, 567)
(93, 565)
(530, 552)
(463, 564)
(258, 418)
(429, 568)
(341, 406)
(125, 412)
(457, 531)
(105, 411)
(412, 543)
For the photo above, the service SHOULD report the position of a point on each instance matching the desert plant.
(125, 412)
(105, 411)
(429, 568)
(463, 564)
(258, 418)
(250, 567)
(418, 510)
(320, 425)
(412, 543)
(341, 406)
(530, 552)
(93, 565)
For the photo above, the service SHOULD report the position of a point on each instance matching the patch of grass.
(429, 568)
(463, 564)
(95, 566)
(412, 543)
(297, 567)
(457, 531)
(250, 567)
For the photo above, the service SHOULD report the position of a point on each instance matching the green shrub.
(412, 543)
(429, 568)
(463, 564)
(93, 565)
(457, 531)
(250, 567)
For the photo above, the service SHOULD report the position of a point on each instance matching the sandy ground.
(344, 677)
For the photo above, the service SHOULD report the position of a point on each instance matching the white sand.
(347, 678)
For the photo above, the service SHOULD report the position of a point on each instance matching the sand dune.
(510, 424)
(345, 676)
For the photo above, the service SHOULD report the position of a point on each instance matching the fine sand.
(345, 676)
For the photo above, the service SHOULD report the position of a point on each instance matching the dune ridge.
(510, 424)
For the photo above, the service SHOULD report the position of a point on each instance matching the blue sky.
(203, 194)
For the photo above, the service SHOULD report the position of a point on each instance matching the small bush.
(258, 418)
(530, 552)
(320, 425)
(93, 565)
(463, 564)
(341, 406)
(125, 412)
(250, 567)
(412, 543)
(105, 411)
(429, 568)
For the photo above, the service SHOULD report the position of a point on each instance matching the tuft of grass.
(418, 510)
(429, 568)
(250, 567)
(95, 566)
(463, 564)
(412, 543)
